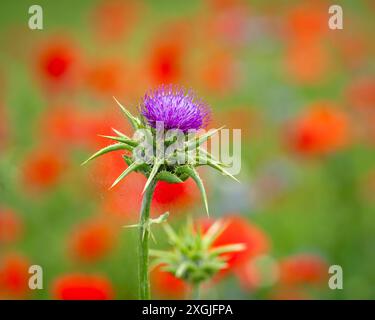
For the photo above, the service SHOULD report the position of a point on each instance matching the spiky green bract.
(193, 258)
(166, 168)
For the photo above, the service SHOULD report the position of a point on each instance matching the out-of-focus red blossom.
(11, 226)
(67, 127)
(125, 199)
(93, 240)
(257, 272)
(320, 130)
(42, 168)
(114, 19)
(59, 63)
(303, 269)
(307, 62)
(238, 230)
(175, 196)
(361, 94)
(219, 73)
(165, 285)
(106, 169)
(307, 22)
(14, 276)
(79, 286)
(165, 62)
(107, 77)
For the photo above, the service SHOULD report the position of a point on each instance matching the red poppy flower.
(307, 22)
(58, 63)
(303, 269)
(322, 129)
(82, 287)
(10, 226)
(175, 196)
(107, 77)
(166, 285)
(93, 240)
(42, 168)
(239, 231)
(261, 271)
(307, 62)
(62, 125)
(14, 275)
(166, 55)
(219, 72)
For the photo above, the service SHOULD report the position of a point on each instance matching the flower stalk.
(144, 237)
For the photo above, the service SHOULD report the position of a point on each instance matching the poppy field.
(299, 224)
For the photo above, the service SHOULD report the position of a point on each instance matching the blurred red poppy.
(303, 269)
(77, 286)
(93, 240)
(219, 72)
(11, 226)
(239, 230)
(175, 196)
(68, 126)
(165, 61)
(59, 63)
(306, 62)
(165, 285)
(257, 272)
(14, 276)
(307, 21)
(107, 77)
(320, 130)
(42, 168)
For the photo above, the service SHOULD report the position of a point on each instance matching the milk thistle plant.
(165, 147)
(193, 258)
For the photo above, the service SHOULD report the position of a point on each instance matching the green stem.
(144, 237)
(196, 292)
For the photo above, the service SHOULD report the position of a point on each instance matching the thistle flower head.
(193, 257)
(176, 108)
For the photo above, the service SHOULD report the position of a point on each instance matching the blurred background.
(302, 94)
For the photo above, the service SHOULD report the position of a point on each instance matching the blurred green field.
(305, 204)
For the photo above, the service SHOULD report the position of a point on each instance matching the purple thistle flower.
(176, 108)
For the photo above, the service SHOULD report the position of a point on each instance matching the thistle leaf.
(153, 172)
(162, 218)
(125, 140)
(129, 169)
(213, 232)
(222, 170)
(168, 177)
(110, 148)
(227, 248)
(197, 141)
(193, 173)
(120, 134)
(135, 122)
(171, 234)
